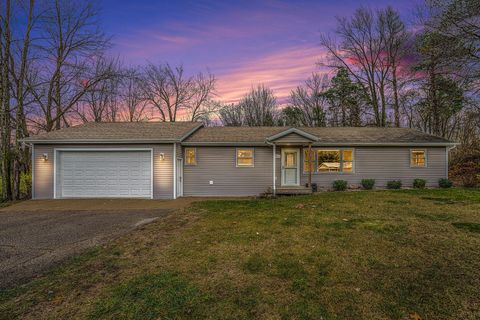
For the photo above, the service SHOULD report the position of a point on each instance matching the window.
(347, 160)
(190, 156)
(418, 158)
(328, 160)
(244, 157)
(308, 162)
(335, 160)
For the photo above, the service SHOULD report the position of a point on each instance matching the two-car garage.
(113, 173)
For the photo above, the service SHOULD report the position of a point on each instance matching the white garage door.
(104, 174)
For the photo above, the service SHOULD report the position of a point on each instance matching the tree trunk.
(6, 127)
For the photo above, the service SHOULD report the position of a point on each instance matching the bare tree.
(201, 107)
(231, 115)
(309, 102)
(131, 97)
(361, 51)
(395, 37)
(173, 93)
(100, 102)
(72, 41)
(5, 108)
(257, 108)
(260, 107)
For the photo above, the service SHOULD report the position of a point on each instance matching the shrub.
(394, 184)
(339, 185)
(465, 166)
(419, 183)
(445, 183)
(368, 183)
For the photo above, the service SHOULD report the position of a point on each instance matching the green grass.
(351, 255)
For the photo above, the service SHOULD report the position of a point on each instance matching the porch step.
(293, 190)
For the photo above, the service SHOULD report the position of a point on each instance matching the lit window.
(328, 160)
(418, 158)
(244, 157)
(335, 160)
(190, 156)
(308, 162)
(347, 160)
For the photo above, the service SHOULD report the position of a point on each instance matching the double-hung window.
(418, 158)
(190, 156)
(245, 157)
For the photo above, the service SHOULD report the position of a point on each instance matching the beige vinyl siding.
(384, 164)
(218, 164)
(292, 138)
(162, 170)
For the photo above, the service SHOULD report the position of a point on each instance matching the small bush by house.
(339, 185)
(368, 184)
(445, 183)
(419, 183)
(394, 184)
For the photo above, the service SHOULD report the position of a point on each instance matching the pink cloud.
(281, 71)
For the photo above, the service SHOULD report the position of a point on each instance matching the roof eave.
(293, 130)
(98, 141)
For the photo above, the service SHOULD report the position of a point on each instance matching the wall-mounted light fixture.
(162, 156)
(45, 156)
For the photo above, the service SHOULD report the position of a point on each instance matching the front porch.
(291, 191)
(288, 162)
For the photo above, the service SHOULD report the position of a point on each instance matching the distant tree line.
(55, 72)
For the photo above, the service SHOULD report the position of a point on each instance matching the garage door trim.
(55, 157)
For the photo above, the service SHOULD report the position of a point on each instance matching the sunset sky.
(244, 43)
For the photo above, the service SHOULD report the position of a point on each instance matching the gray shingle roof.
(234, 134)
(176, 131)
(121, 131)
(357, 135)
(372, 135)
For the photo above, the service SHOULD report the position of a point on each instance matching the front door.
(290, 167)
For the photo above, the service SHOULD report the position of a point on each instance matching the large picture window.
(245, 157)
(329, 160)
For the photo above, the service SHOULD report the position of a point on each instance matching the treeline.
(55, 72)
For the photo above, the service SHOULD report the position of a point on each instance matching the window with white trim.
(418, 158)
(329, 160)
(245, 157)
(190, 156)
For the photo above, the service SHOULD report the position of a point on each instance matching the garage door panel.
(97, 174)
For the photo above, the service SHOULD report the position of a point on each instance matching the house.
(163, 160)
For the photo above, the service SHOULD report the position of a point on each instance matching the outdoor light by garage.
(162, 156)
(45, 156)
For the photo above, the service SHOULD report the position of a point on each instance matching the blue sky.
(244, 43)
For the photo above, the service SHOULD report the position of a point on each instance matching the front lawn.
(351, 255)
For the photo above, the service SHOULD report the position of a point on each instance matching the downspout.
(32, 147)
(174, 171)
(446, 159)
(274, 188)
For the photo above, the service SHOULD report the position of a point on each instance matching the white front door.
(179, 175)
(290, 167)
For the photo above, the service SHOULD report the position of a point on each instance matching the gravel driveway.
(32, 241)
